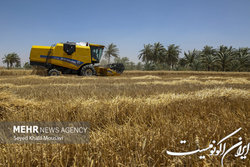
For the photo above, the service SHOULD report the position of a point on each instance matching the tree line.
(223, 58)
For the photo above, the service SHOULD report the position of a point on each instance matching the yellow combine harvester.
(72, 58)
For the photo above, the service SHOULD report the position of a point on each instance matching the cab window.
(96, 53)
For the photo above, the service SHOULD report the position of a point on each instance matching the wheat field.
(135, 118)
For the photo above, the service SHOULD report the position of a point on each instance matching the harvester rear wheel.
(53, 72)
(87, 70)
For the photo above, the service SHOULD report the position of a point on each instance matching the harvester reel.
(118, 67)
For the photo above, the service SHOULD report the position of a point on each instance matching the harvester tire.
(88, 70)
(54, 72)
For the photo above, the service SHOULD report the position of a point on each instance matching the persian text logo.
(241, 152)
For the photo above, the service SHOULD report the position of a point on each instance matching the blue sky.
(127, 23)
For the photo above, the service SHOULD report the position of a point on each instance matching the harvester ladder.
(49, 54)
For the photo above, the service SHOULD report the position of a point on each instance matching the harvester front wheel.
(53, 72)
(88, 70)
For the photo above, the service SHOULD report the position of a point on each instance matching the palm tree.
(173, 55)
(208, 50)
(242, 58)
(27, 65)
(7, 60)
(224, 57)
(182, 62)
(11, 59)
(190, 58)
(15, 59)
(208, 61)
(146, 54)
(196, 64)
(111, 50)
(208, 57)
(18, 63)
(159, 53)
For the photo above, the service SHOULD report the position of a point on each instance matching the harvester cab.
(72, 58)
(96, 53)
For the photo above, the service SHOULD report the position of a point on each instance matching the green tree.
(208, 58)
(12, 59)
(172, 55)
(149, 67)
(208, 61)
(111, 50)
(159, 53)
(129, 65)
(139, 66)
(182, 62)
(146, 54)
(7, 59)
(18, 64)
(208, 50)
(123, 60)
(196, 64)
(242, 57)
(189, 58)
(153, 56)
(27, 65)
(224, 57)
